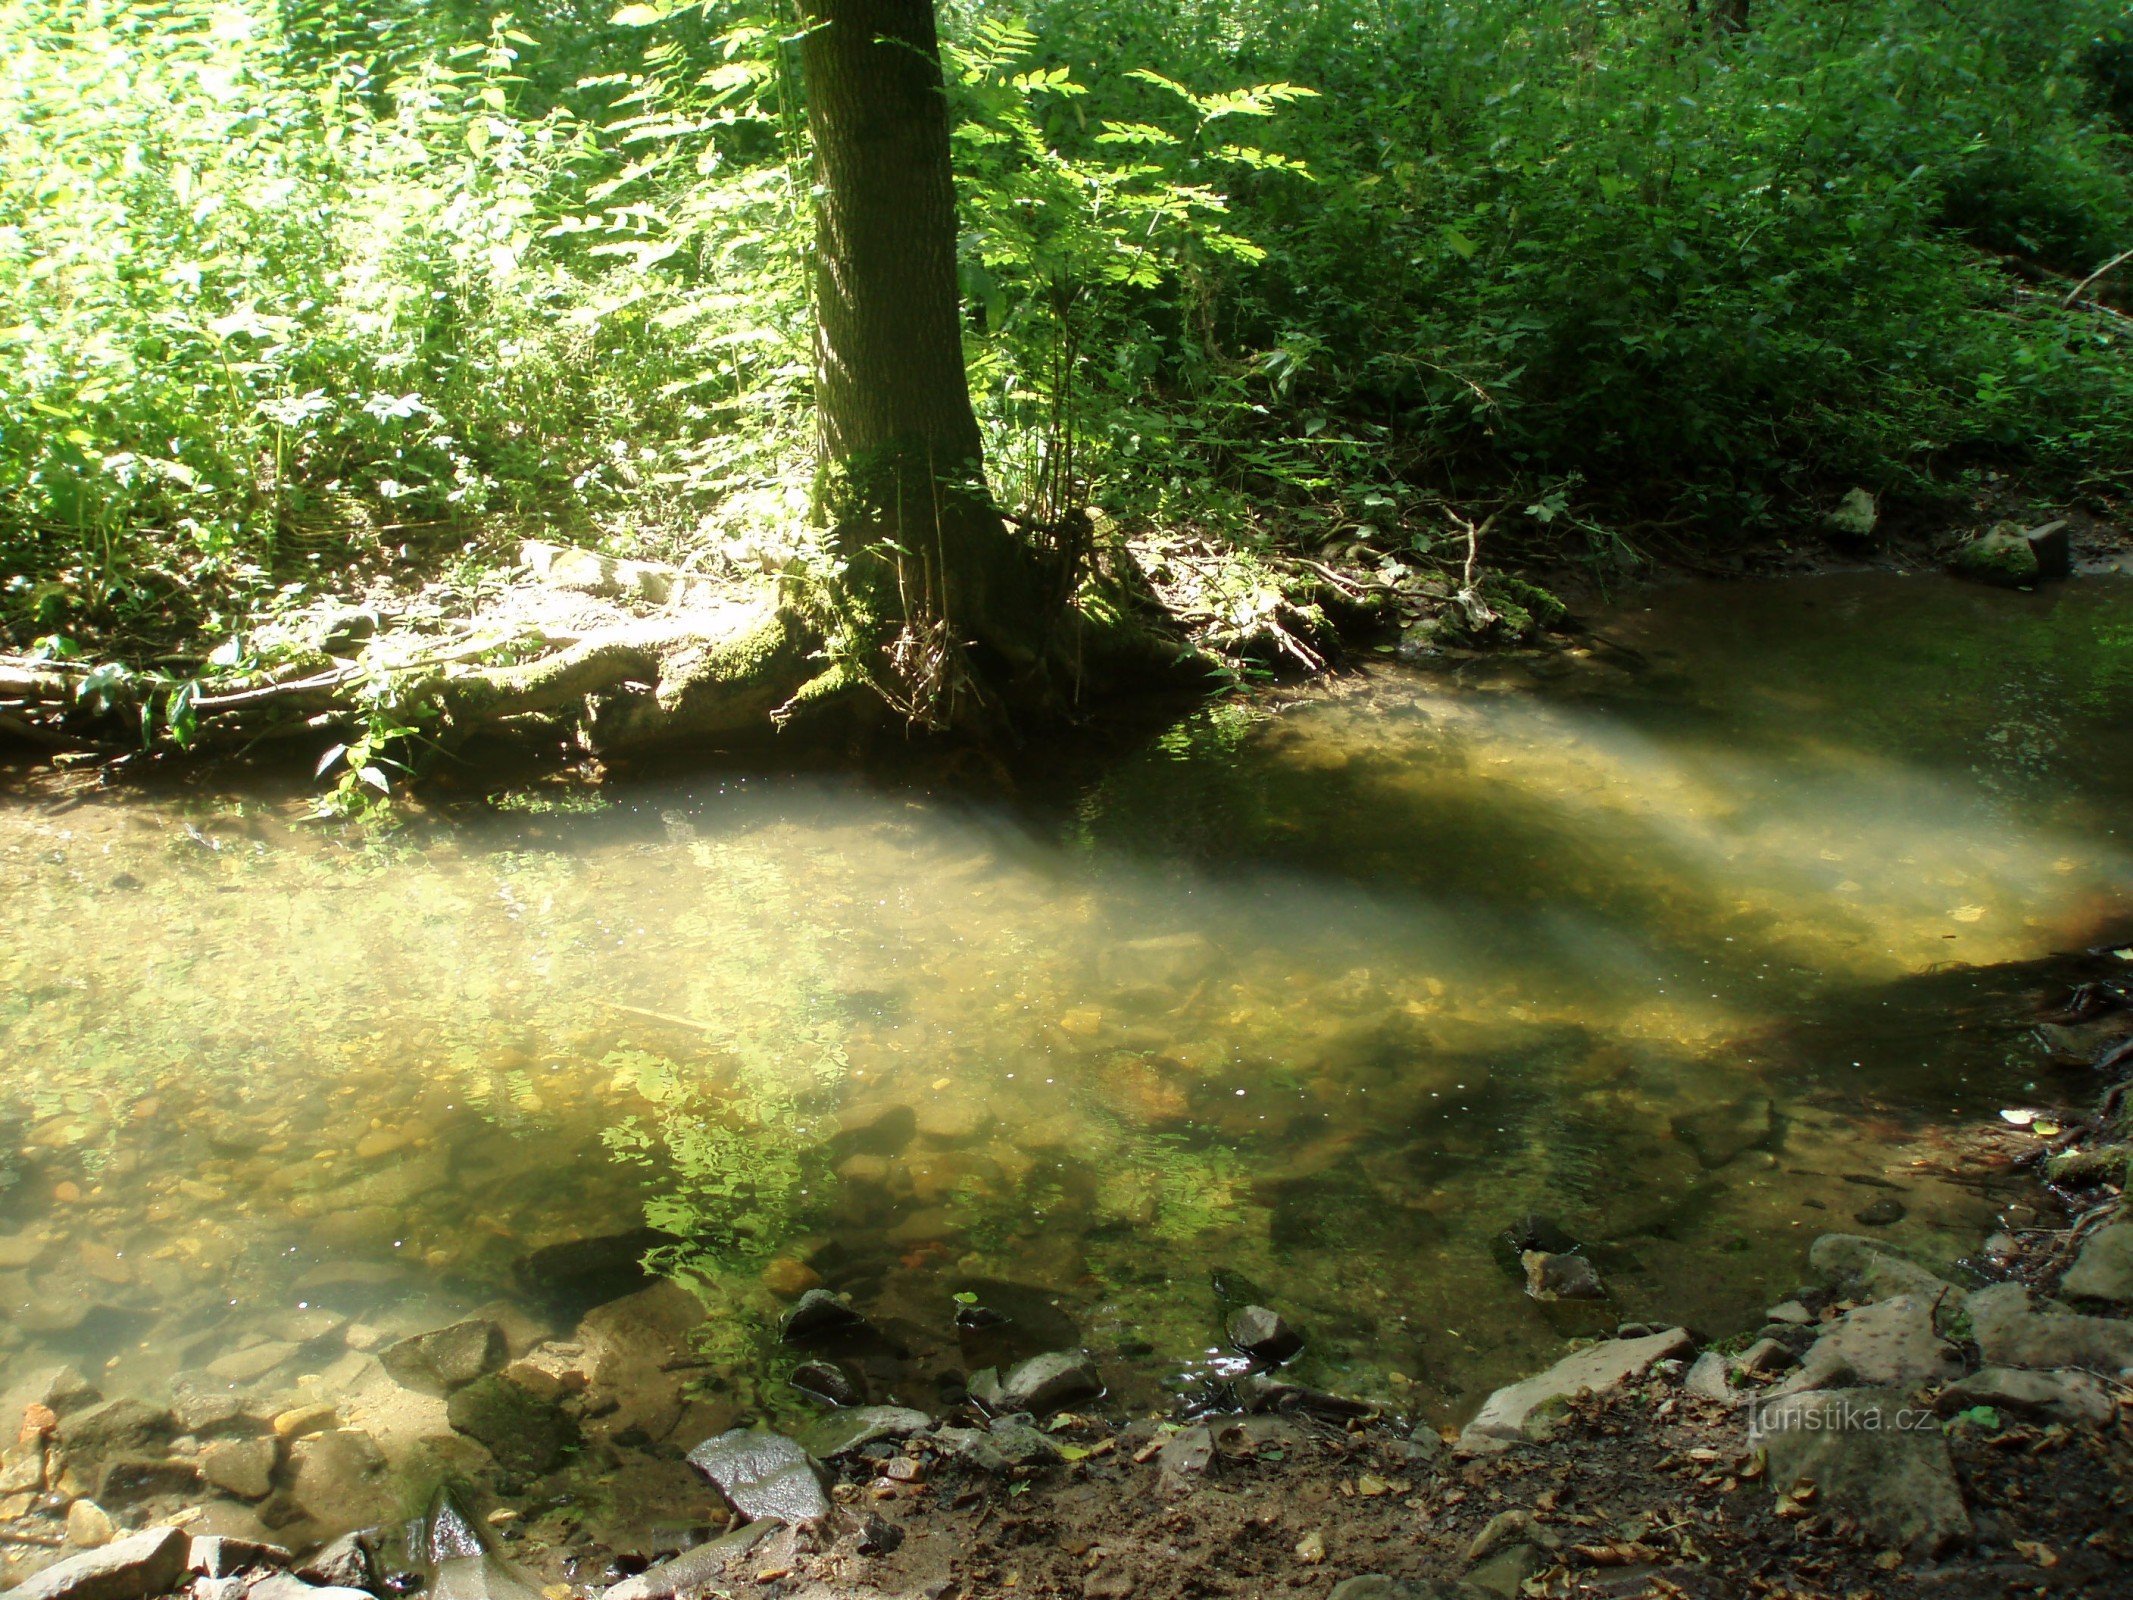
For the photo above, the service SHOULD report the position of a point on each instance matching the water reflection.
(1324, 997)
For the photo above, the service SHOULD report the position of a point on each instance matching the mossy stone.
(527, 1435)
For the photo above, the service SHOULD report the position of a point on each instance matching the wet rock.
(122, 1427)
(817, 1315)
(578, 1274)
(21, 1251)
(345, 1564)
(22, 1465)
(339, 1477)
(2104, 1269)
(128, 1480)
(1264, 1335)
(1895, 1481)
(1003, 1447)
(2003, 556)
(1723, 1136)
(298, 1421)
(61, 1390)
(89, 1525)
(1519, 1410)
(1503, 1576)
(825, 1380)
(1791, 1313)
(1560, 1277)
(638, 1354)
(1535, 1231)
(2012, 1332)
(1187, 1454)
(526, 1434)
(551, 1370)
(951, 1119)
(788, 1278)
(1882, 1213)
(216, 1557)
(1867, 1269)
(1764, 1357)
(1889, 1343)
(251, 1363)
(878, 1536)
(483, 1576)
(1263, 1392)
(219, 1414)
(1042, 1384)
(2076, 1398)
(446, 1358)
(694, 1571)
(762, 1474)
(132, 1568)
(306, 1325)
(287, 1586)
(833, 1435)
(1505, 1528)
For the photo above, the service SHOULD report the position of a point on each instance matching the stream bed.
(1680, 943)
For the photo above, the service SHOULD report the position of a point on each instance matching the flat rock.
(251, 1363)
(2104, 1269)
(1041, 1384)
(2012, 1332)
(1187, 1454)
(1509, 1415)
(574, 1275)
(132, 1568)
(637, 1351)
(345, 1563)
(1003, 1447)
(287, 1586)
(833, 1435)
(1867, 1269)
(818, 1313)
(1561, 1277)
(693, 1571)
(763, 1474)
(1888, 1344)
(216, 1557)
(340, 1477)
(117, 1427)
(481, 1575)
(1723, 1135)
(446, 1358)
(1895, 1481)
(1264, 1335)
(2071, 1396)
(526, 1434)
(128, 1480)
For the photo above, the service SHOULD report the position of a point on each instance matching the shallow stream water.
(1664, 941)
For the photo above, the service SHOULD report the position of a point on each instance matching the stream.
(1666, 941)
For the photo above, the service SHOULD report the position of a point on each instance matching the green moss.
(1998, 557)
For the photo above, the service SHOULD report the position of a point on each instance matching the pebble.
(89, 1525)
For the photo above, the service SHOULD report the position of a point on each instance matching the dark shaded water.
(1324, 995)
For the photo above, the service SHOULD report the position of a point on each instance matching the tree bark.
(929, 562)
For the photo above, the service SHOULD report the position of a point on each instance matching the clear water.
(1661, 940)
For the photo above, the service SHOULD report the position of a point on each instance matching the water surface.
(1323, 993)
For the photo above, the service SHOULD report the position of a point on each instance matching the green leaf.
(638, 16)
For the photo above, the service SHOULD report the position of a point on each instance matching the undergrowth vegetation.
(299, 290)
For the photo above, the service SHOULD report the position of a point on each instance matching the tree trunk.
(931, 568)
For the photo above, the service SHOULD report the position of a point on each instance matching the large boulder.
(133, 1568)
(1890, 1343)
(122, 1427)
(2078, 1399)
(1041, 1384)
(446, 1358)
(637, 1359)
(2104, 1269)
(763, 1475)
(696, 1571)
(1872, 1456)
(2012, 1332)
(525, 1433)
(840, 1431)
(1518, 1411)
(1867, 1269)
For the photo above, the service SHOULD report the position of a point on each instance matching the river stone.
(637, 1359)
(483, 1575)
(2071, 1396)
(1888, 1344)
(340, 1477)
(61, 1390)
(21, 1251)
(132, 1568)
(89, 1525)
(287, 1586)
(833, 1435)
(763, 1474)
(575, 1275)
(1264, 1335)
(212, 1556)
(1003, 1447)
(1708, 1380)
(345, 1563)
(119, 1427)
(1722, 1136)
(816, 1313)
(1560, 1277)
(1503, 1576)
(1187, 1454)
(1377, 1586)
(825, 1380)
(128, 1480)
(1894, 1481)
(217, 1413)
(1041, 1384)
(2002, 556)
(251, 1363)
(446, 1358)
(1512, 1413)
(526, 1434)
(1867, 1269)
(2104, 1269)
(696, 1571)
(2011, 1332)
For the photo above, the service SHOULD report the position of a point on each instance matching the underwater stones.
(636, 1350)
(121, 1427)
(2104, 1269)
(250, 1363)
(306, 1325)
(337, 1477)
(526, 1434)
(1723, 1135)
(818, 1314)
(1518, 1411)
(763, 1475)
(1882, 1213)
(445, 1358)
(952, 1117)
(1264, 1335)
(216, 1413)
(89, 1525)
(696, 1571)
(345, 1564)
(1560, 1277)
(241, 1467)
(1042, 1384)
(575, 1275)
(551, 1370)
(216, 1556)
(1003, 1447)
(827, 1381)
(133, 1568)
(59, 1389)
(1535, 1231)
(129, 1480)
(21, 1251)
(1891, 1342)
(833, 1435)
(789, 1278)
(2011, 1332)
(1894, 1480)
(1867, 1269)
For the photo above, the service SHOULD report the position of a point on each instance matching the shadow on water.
(1687, 962)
